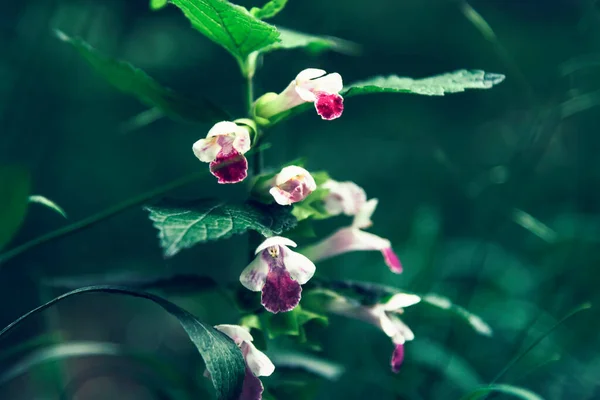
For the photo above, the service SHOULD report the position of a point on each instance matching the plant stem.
(94, 219)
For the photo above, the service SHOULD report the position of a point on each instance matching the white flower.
(353, 238)
(344, 197)
(223, 148)
(292, 185)
(278, 272)
(311, 85)
(257, 363)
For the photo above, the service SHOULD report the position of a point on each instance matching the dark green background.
(448, 172)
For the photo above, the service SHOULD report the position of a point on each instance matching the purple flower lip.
(278, 273)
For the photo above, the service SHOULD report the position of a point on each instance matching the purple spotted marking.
(235, 170)
(397, 357)
(329, 106)
(280, 293)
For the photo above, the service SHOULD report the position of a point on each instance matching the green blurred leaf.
(183, 224)
(507, 389)
(131, 80)
(283, 358)
(175, 284)
(158, 4)
(439, 85)
(63, 351)
(312, 43)
(269, 10)
(36, 198)
(221, 355)
(229, 25)
(14, 189)
(281, 324)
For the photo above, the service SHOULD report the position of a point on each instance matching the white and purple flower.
(311, 85)
(257, 363)
(278, 273)
(344, 198)
(353, 238)
(384, 316)
(224, 148)
(292, 185)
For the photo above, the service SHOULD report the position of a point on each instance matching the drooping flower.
(278, 272)
(353, 238)
(292, 185)
(311, 85)
(257, 363)
(384, 316)
(224, 148)
(344, 197)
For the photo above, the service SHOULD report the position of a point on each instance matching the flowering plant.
(282, 201)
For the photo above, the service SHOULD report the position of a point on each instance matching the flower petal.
(252, 388)
(392, 260)
(362, 219)
(290, 172)
(222, 128)
(275, 241)
(254, 276)
(280, 292)
(206, 149)
(397, 358)
(343, 241)
(301, 269)
(230, 168)
(330, 83)
(329, 106)
(238, 333)
(309, 74)
(241, 143)
(401, 300)
(344, 197)
(280, 196)
(256, 360)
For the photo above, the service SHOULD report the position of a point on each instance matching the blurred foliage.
(449, 173)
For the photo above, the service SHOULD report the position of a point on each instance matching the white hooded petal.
(308, 74)
(254, 276)
(206, 150)
(301, 269)
(223, 128)
(330, 83)
(275, 241)
(343, 241)
(242, 140)
(290, 172)
(401, 300)
(344, 197)
(393, 327)
(256, 360)
(238, 333)
(281, 197)
(363, 218)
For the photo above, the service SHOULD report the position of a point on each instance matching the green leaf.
(312, 43)
(269, 10)
(14, 189)
(221, 355)
(515, 391)
(157, 4)
(439, 85)
(293, 360)
(131, 80)
(182, 225)
(36, 198)
(229, 25)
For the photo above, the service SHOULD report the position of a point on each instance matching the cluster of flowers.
(277, 271)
